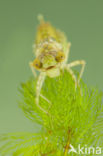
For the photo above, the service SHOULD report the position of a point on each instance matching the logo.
(85, 150)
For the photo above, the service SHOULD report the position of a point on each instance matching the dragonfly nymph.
(52, 53)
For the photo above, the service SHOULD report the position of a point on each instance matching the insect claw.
(78, 85)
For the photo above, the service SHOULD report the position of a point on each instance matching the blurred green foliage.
(73, 118)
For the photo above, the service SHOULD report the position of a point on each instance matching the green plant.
(73, 119)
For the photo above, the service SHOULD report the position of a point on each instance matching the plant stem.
(67, 145)
(66, 148)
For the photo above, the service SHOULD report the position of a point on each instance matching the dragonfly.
(51, 51)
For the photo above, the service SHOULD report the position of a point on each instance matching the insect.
(52, 52)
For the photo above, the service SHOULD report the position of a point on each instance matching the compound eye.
(60, 56)
(37, 64)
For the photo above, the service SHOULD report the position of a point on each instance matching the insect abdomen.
(45, 31)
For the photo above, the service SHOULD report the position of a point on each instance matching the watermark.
(85, 150)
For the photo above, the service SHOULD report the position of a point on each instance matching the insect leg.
(72, 74)
(45, 98)
(33, 69)
(40, 81)
(67, 51)
(75, 63)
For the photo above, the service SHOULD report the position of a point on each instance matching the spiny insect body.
(52, 52)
